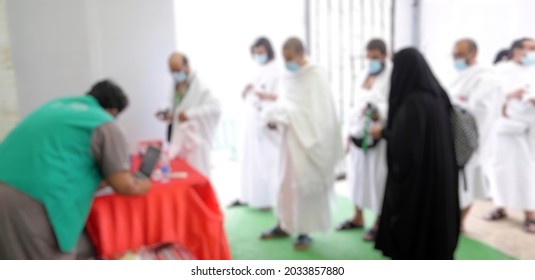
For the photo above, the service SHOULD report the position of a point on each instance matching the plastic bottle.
(165, 168)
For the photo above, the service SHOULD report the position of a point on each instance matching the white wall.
(403, 24)
(494, 24)
(50, 49)
(9, 110)
(61, 47)
(135, 39)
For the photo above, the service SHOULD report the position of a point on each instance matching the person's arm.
(164, 115)
(246, 90)
(125, 183)
(266, 96)
(517, 94)
(110, 150)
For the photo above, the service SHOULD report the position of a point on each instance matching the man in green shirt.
(52, 163)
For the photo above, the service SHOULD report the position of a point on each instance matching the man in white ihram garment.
(311, 149)
(475, 89)
(261, 145)
(513, 158)
(367, 167)
(194, 116)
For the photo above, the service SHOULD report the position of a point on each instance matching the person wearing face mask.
(513, 161)
(367, 161)
(311, 148)
(475, 89)
(261, 145)
(193, 117)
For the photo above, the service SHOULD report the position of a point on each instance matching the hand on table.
(126, 183)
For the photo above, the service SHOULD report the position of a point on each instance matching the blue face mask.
(460, 64)
(529, 59)
(179, 77)
(261, 58)
(293, 66)
(375, 66)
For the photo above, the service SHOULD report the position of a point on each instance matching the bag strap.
(464, 178)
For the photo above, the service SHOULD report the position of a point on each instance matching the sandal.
(370, 235)
(273, 233)
(237, 203)
(529, 226)
(496, 215)
(347, 225)
(303, 242)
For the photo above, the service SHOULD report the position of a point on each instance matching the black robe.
(420, 217)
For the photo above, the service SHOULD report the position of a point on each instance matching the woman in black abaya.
(420, 215)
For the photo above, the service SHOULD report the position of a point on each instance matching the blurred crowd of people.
(401, 145)
(402, 149)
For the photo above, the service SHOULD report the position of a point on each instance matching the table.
(185, 211)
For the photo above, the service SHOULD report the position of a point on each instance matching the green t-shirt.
(48, 157)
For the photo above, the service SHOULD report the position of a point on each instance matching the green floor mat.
(244, 226)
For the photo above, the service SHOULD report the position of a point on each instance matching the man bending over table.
(50, 167)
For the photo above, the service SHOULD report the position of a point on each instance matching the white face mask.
(529, 58)
(180, 77)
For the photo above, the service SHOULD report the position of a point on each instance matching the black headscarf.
(420, 214)
(411, 74)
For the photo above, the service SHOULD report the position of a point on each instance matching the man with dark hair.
(475, 90)
(513, 180)
(367, 159)
(51, 166)
(311, 148)
(192, 117)
(378, 45)
(110, 97)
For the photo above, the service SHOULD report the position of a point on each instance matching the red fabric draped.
(184, 211)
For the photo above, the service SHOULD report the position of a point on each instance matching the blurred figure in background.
(50, 168)
(420, 215)
(367, 158)
(502, 56)
(260, 156)
(475, 90)
(311, 149)
(513, 162)
(194, 116)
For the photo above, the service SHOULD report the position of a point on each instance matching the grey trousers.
(26, 233)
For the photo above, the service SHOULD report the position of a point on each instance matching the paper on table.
(104, 191)
(179, 175)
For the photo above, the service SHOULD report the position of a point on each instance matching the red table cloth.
(184, 211)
